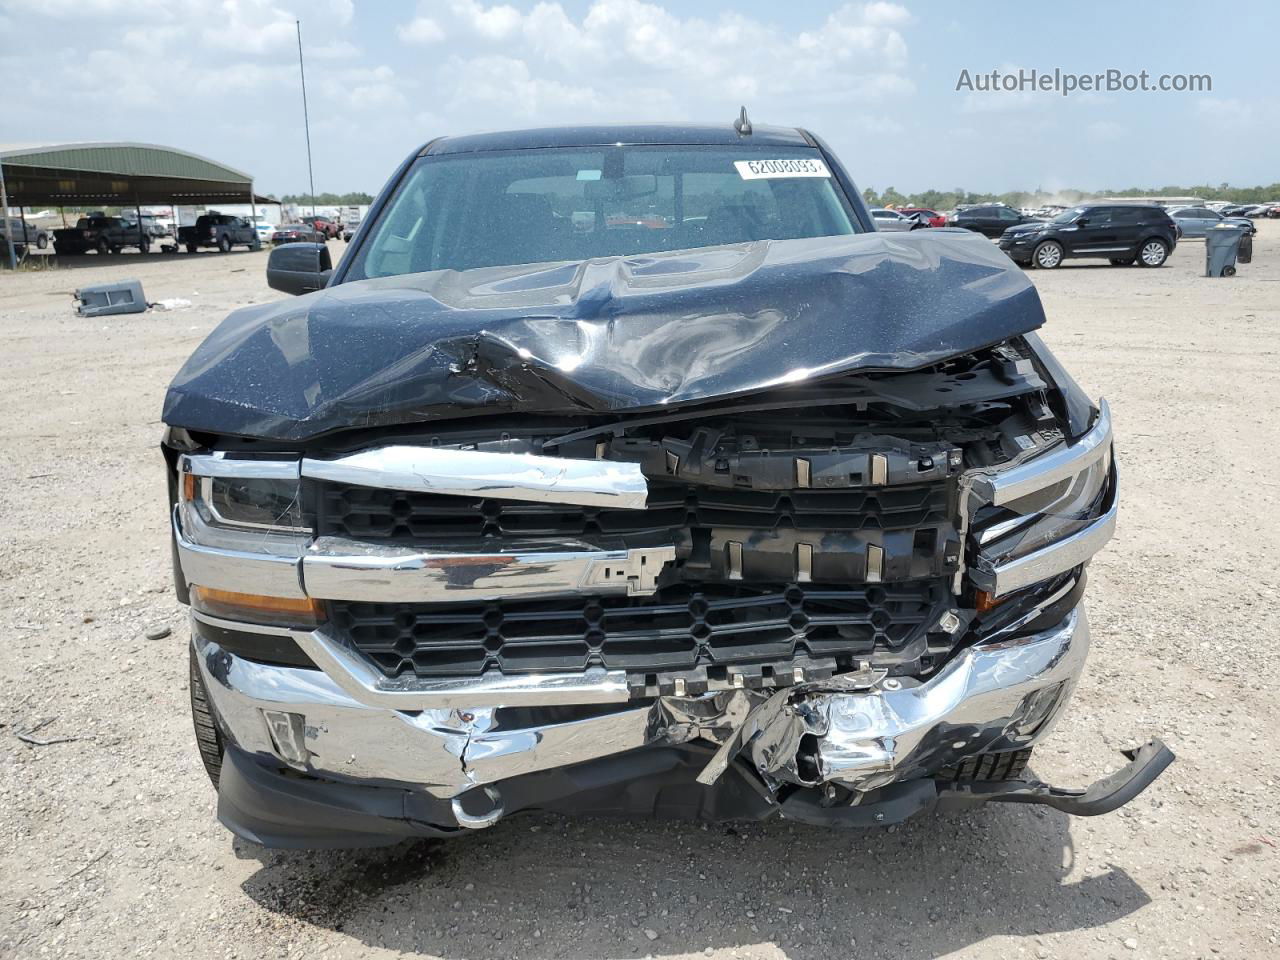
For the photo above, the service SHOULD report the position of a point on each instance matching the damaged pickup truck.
(629, 470)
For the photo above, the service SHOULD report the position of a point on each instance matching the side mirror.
(299, 268)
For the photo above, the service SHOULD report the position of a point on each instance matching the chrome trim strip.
(339, 569)
(1049, 561)
(238, 570)
(217, 465)
(352, 672)
(243, 626)
(1001, 486)
(502, 476)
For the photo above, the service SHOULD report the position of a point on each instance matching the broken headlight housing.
(1044, 516)
(237, 504)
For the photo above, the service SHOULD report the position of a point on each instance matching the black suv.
(1123, 233)
(990, 220)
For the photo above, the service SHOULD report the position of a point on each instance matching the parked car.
(156, 228)
(25, 234)
(739, 517)
(350, 228)
(893, 221)
(990, 220)
(1194, 221)
(101, 233)
(219, 230)
(296, 233)
(1121, 233)
(265, 231)
(325, 226)
(932, 217)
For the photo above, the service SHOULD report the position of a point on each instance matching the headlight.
(241, 533)
(252, 505)
(1041, 518)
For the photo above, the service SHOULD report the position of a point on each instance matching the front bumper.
(841, 750)
(1020, 247)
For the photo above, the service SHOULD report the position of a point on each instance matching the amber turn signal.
(983, 601)
(293, 611)
(188, 487)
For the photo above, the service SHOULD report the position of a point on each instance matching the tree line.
(328, 199)
(949, 199)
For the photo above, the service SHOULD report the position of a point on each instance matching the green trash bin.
(1221, 248)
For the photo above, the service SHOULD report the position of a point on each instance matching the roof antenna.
(742, 124)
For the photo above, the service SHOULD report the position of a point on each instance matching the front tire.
(103, 247)
(224, 243)
(1048, 255)
(1153, 253)
(41, 241)
(208, 737)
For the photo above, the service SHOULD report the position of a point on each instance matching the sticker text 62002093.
(785, 167)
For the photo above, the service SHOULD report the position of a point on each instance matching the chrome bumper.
(867, 730)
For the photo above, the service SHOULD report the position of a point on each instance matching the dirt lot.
(108, 842)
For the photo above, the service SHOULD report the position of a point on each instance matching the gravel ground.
(108, 842)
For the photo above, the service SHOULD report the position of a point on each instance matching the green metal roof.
(117, 173)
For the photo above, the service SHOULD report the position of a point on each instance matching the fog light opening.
(288, 733)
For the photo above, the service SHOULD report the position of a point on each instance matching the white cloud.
(1225, 111)
(633, 59)
(1105, 131)
(420, 30)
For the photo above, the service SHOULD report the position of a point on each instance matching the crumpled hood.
(601, 336)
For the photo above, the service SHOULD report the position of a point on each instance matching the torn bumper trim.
(990, 698)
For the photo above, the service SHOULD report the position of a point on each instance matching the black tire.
(192, 248)
(144, 246)
(224, 243)
(1228, 271)
(208, 737)
(1147, 256)
(42, 241)
(1122, 261)
(102, 246)
(1048, 255)
(989, 766)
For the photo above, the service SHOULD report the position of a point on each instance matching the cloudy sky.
(878, 80)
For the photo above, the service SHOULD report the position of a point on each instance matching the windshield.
(535, 206)
(1066, 216)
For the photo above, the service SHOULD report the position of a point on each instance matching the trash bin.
(1246, 248)
(1221, 248)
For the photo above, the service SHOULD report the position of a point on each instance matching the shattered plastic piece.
(602, 336)
(107, 299)
(172, 303)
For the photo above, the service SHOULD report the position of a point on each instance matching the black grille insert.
(679, 628)
(374, 513)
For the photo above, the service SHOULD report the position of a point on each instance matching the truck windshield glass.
(538, 206)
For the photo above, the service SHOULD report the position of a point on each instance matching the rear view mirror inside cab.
(627, 187)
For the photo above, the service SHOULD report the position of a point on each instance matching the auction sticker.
(777, 169)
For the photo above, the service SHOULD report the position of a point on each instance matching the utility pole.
(4, 213)
(306, 123)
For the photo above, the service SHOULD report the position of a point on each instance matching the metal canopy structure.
(118, 174)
